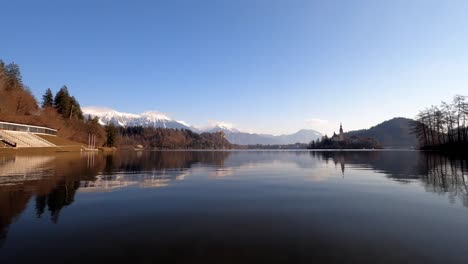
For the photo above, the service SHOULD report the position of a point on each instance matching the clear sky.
(265, 66)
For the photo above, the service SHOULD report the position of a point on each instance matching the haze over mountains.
(156, 119)
(242, 138)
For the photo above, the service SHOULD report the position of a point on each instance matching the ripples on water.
(234, 207)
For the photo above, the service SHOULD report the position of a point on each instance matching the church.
(340, 137)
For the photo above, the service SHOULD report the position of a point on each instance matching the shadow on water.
(51, 182)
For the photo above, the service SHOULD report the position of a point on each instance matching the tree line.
(348, 143)
(64, 103)
(443, 126)
(61, 111)
(164, 138)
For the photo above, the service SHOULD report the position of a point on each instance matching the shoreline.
(106, 150)
(42, 149)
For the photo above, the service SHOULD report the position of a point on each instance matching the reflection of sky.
(371, 169)
(240, 206)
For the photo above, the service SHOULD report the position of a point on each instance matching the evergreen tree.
(62, 102)
(111, 135)
(47, 99)
(75, 109)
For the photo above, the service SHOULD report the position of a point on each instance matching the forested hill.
(62, 112)
(166, 138)
(393, 133)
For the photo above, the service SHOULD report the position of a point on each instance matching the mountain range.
(145, 119)
(243, 138)
(393, 133)
(157, 119)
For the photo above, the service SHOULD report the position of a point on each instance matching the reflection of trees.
(446, 174)
(54, 180)
(150, 168)
(12, 204)
(400, 165)
(158, 160)
(441, 174)
(58, 198)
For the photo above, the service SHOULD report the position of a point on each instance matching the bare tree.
(443, 126)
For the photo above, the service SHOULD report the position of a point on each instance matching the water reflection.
(439, 173)
(52, 182)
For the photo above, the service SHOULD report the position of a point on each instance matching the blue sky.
(265, 66)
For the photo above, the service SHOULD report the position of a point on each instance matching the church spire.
(341, 132)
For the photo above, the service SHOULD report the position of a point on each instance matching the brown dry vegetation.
(63, 113)
(18, 105)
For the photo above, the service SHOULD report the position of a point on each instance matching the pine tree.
(75, 110)
(47, 99)
(62, 102)
(111, 135)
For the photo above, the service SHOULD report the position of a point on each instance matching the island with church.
(342, 141)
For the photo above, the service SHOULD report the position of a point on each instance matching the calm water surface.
(234, 207)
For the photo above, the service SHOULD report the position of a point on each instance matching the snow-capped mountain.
(241, 138)
(145, 119)
(220, 126)
(157, 119)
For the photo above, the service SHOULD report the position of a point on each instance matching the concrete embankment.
(74, 148)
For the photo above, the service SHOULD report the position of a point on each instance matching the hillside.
(61, 112)
(167, 138)
(393, 133)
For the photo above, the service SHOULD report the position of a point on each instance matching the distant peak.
(104, 111)
(155, 115)
(220, 126)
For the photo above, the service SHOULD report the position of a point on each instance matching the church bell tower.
(341, 132)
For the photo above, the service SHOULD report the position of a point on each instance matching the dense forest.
(163, 138)
(444, 127)
(61, 112)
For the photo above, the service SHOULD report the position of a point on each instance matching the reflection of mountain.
(398, 165)
(440, 174)
(53, 181)
(250, 158)
(144, 179)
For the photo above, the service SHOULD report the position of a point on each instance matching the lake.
(234, 207)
